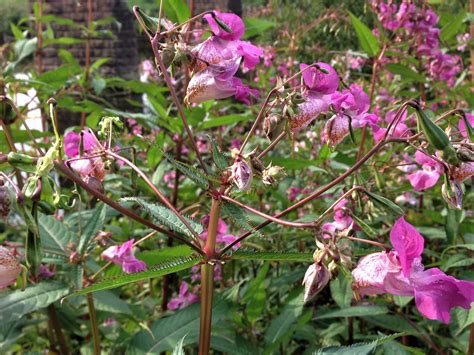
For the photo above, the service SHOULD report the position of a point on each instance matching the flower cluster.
(419, 24)
(217, 60)
(400, 272)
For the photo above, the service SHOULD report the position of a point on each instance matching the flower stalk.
(93, 320)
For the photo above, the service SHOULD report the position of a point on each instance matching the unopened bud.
(315, 279)
(242, 174)
(271, 173)
(452, 194)
(74, 257)
(9, 268)
(5, 202)
(102, 237)
(257, 165)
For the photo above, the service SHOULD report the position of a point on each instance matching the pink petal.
(233, 21)
(423, 179)
(369, 275)
(462, 125)
(318, 81)
(309, 111)
(407, 242)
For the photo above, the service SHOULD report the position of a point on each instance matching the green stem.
(94, 325)
(207, 281)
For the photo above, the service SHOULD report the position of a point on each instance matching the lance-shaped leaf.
(165, 268)
(282, 256)
(167, 217)
(240, 218)
(198, 176)
(95, 223)
(17, 304)
(367, 40)
(217, 155)
(386, 203)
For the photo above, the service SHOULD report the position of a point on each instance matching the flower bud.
(242, 174)
(335, 129)
(74, 257)
(452, 194)
(9, 268)
(257, 165)
(315, 279)
(5, 202)
(273, 125)
(271, 173)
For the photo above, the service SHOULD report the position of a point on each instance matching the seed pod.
(9, 268)
(465, 154)
(257, 165)
(5, 202)
(315, 279)
(273, 125)
(272, 173)
(434, 134)
(452, 194)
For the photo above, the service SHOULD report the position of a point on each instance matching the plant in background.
(214, 195)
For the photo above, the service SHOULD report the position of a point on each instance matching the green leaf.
(108, 301)
(452, 28)
(281, 324)
(54, 234)
(165, 268)
(359, 348)
(178, 349)
(167, 217)
(240, 218)
(257, 26)
(225, 120)
(356, 311)
(255, 296)
(341, 291)
(296, 164)
(95, 223)
(17, 304)
(367, 40)
(198, 176)
(167, 331)
(273, 256)
(453, 219)
(176, 10)
(365, 227)
(219, 158)
(385, 202)
(405, 72)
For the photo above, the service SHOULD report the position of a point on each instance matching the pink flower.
(45, 273)
(342, 219)
(184, 298)
(123, 255)
(315, 279)
(309, 110)
(241, 174)
(319, 82)
(428, 175)
(9, 268)
(462, 125)
(400, 272)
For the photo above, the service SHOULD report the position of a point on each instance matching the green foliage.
(367, 40)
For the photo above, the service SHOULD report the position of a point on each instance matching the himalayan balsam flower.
(318, 89)
(342, 219)
(400, 272)
(462, 125)
(217, 60)
(123, 255)
(184, 298)
(242, 174)
(428, 175)
(222, 235)
(86, 168)
(9, 268)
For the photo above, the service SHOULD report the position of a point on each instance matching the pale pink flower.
(315, 279)
(222, 235)
(428, 175)
(9, 268)
(184, 298)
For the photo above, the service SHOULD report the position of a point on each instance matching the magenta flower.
(400, 272)
(428, 175)
(9, 268)
(319, 82)
(123, 255)
(184, 298)
(398, 131)
(233, 21)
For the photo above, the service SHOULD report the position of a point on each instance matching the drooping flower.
(184, 298)
(241, 174)
(233, 22)
(400, 272)
(428, 175)
(319, 86)
(342, 219)
(122, 255)
(9, 268)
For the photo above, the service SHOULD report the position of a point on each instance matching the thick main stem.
(94, 325)
(207, 281)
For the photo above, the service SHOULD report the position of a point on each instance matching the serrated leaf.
(198, 176)
(452, 28)
(17, 304)
(359, 348)
(167, 217)
(272, 256)
(94, 224)
(240, 218)
(219, 158)
(367, 40)
(341, 291)
(165, 268)
(54, 234)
